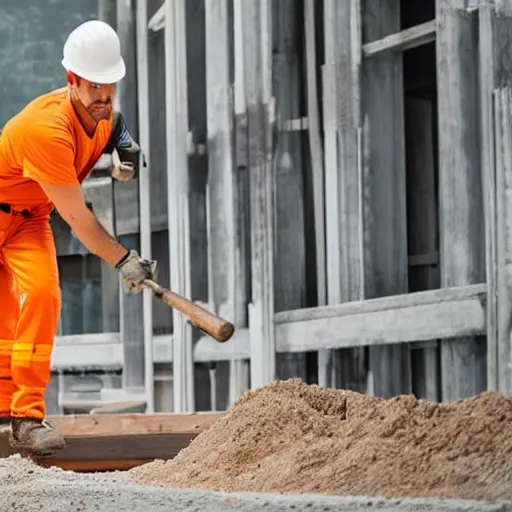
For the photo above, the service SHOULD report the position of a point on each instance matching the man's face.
(97, 98)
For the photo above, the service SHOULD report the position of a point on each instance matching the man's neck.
(88, 123)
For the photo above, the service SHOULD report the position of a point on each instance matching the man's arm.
(70, 203)
(125, 151)
(49, 160)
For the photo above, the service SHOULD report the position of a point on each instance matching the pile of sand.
(290, 437)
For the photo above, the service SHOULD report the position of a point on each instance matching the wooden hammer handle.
(199, 317)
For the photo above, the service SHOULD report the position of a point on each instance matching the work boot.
(35, 436)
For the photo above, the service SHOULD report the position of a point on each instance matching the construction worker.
(46, 151)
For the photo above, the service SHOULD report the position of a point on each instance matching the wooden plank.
(503, 113)
(131, 312)
(487, 85)
(317, 165)
(176, 100)
(495, 25)
(110, 453)
(132, 424)
(239, 378)
(502, 60)
(227, 293)
(403, 301)
(332, 235)
(385, 225)
(116, 442)
(410, 317)
(404, 40)
(221, 190)
(90, 466)
(92, 351)
(152, 446)
(257, 71)
(145, 192)
(343, 172)
(462, 248)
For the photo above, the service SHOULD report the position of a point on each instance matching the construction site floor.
(29, 488)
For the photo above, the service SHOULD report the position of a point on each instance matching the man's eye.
(95, 86)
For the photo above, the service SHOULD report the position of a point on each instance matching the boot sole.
(24, 451)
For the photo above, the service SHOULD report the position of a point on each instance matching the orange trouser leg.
(30, 255)
(9, 311)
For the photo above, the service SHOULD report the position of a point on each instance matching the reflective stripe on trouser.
(28, 254)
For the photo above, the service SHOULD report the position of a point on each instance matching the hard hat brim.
(113, 75)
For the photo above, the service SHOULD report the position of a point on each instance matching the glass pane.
(82, 298)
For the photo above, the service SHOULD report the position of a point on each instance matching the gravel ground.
(26, 487)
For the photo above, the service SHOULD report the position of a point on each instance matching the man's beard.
(99, 110)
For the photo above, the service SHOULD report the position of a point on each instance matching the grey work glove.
(135, 270)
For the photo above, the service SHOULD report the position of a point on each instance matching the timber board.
(109, 442)
(133, 423)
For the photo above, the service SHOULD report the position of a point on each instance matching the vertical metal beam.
(144, 193)
(176, 100)
(463, 366)
(257, 83)
(385, 226)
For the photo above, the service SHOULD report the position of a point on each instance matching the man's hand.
(135, 270)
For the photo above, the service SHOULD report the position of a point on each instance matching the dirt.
(290, 437)
(27, 487)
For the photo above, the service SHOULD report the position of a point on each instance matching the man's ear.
(72, 78)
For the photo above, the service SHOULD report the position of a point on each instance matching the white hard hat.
(93, 51)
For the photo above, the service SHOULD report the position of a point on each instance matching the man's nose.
(105, 94)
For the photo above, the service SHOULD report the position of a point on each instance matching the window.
(81, 281)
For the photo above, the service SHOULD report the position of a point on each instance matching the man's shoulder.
(44, 117)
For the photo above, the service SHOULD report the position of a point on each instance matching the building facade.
(331, 176)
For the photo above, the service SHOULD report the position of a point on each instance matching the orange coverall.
(44, 142)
